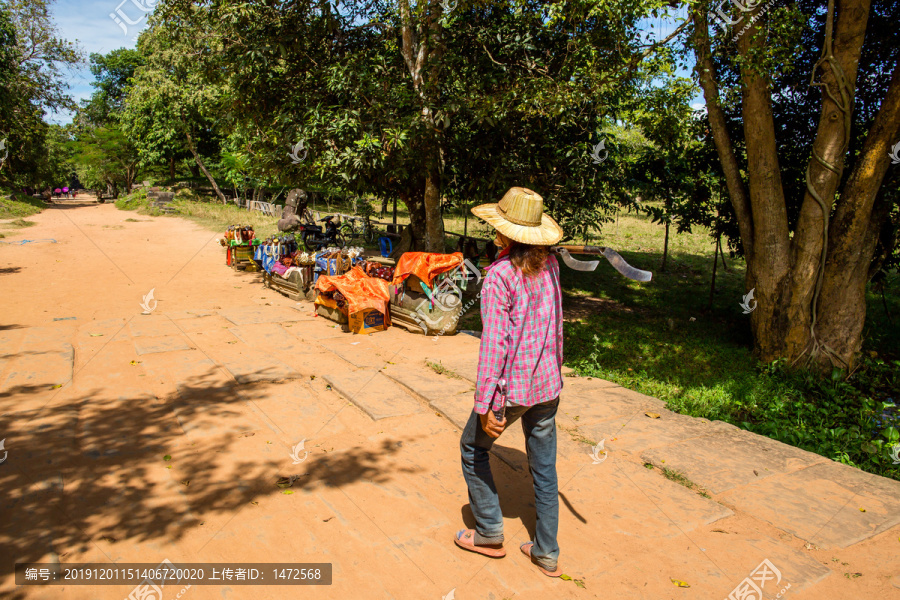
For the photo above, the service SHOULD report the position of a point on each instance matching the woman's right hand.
(491, 425)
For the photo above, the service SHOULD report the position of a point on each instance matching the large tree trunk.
(665, 249)
(421, 49)
(434, 221)
(415, 204)
(801, 312)
(200, 164)
(854, 232)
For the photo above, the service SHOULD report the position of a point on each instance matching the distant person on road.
(519, 374)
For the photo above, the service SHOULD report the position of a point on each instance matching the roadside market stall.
(355, 299)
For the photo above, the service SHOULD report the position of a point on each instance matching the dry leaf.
(287, 492)
(862, 510)
(57, 386)
(680, 583)
(186, 482)
(96, 335)
(652, 415)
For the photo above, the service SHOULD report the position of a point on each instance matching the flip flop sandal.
(526, 550)
(465, 539)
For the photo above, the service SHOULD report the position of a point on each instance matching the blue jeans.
(539, 426)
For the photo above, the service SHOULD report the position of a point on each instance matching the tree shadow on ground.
(88, 469)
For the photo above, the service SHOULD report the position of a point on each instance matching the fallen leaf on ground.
(680, 583)
(186, 482)
(111, 540)
(862, 510)
(565, 577)
(96, 335)
(652, 415)
(287, 491)
(254, 503)
(57, 386)
(135, 362)
(167, 457)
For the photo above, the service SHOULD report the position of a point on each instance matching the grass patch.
(17, 204)
(20, 223)
(682, 480)
(130, 220)
(442, 370)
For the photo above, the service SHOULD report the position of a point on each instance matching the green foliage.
(112, 76)
(33, 59)
(104, 158)
(848, 420)
(14, 204)
(136, 200)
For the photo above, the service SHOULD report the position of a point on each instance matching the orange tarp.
(362, 292)
(425, 265)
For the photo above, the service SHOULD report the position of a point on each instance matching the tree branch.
(736, 190)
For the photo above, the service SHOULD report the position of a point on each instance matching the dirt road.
(140, 438)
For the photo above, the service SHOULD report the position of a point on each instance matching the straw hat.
(520, 216)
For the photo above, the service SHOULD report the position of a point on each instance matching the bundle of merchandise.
(374, 269)
(238, 242)
(355, 299)
(272, 252)
(237, 233)
(427, 292)
(337, 261)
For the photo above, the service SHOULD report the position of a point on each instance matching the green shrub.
(136, 200)
(17, 204)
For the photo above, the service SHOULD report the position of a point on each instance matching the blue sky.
(88, 22)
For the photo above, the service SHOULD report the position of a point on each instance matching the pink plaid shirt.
(522, 318)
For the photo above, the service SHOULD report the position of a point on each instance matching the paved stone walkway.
(136, 438)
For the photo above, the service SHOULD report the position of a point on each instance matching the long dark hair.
(528, 259)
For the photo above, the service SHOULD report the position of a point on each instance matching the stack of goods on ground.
(239, 242)
(356, 300)
(427, 292)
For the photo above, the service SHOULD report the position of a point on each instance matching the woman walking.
(519, 374)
